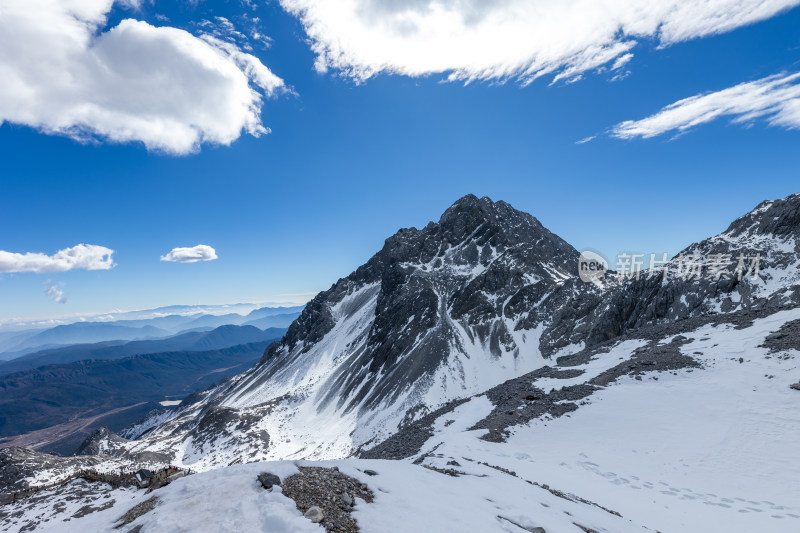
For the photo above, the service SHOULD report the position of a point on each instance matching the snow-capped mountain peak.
(484, 295)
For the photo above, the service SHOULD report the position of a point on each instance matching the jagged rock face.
(462, 269)
(104, 442)
(416, 326)
(478, 252)
(770, 232)
(101, 441)
(430, 288)
(485, 295)
(21, 468)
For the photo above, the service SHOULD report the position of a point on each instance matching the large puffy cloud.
(64, 74)
(775, 99)
(80, 257)
(498, 39)
(201, 252)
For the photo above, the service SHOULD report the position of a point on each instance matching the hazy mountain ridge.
(14, 344)
(39, 398)
(221, 337)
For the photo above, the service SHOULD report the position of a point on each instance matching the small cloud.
(774, 100)
(201, 252)
(56, 294)
(621, 61)
(80, 257)
(586, 139)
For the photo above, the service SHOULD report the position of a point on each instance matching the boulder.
(314, 514)
(268, 480)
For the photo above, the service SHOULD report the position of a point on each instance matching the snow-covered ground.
(713, 449)
(408, 497)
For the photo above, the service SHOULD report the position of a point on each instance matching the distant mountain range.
(87, 391)
(154, 325)
(220, 337)
(58, 384)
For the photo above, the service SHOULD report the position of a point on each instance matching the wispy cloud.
(56, 294)
(774, 99)
(80, 257)
(161, 86)
(201, 252)
(501, 39)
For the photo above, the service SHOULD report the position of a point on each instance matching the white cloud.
(64, 73)
(499, 39)
(80, 257)
(55, 293)
(201, 252)
(775, 99)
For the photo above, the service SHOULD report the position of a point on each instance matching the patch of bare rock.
(324, 495)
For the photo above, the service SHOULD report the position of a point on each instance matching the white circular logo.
(591, 266)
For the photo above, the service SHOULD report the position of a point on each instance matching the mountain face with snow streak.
(441, 313)
(753, 265)
(424, 321)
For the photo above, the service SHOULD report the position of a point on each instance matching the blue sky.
(349, 161)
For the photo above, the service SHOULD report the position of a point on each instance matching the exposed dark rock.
(530, 529)
(786, 338)
(331, 492)
(268, 480)
(101, 441)
(651, 358)
(140, 509)
(409, 439)
(416, 286)
(77, 499)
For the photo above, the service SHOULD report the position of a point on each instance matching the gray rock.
(328, 490)
(314, 514)
(268, 480)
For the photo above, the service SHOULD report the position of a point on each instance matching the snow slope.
(408, 498)
(695, 450)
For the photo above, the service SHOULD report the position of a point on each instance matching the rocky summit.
(485, 295)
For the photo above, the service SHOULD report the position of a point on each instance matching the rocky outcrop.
(101, 441)
(327, 496)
